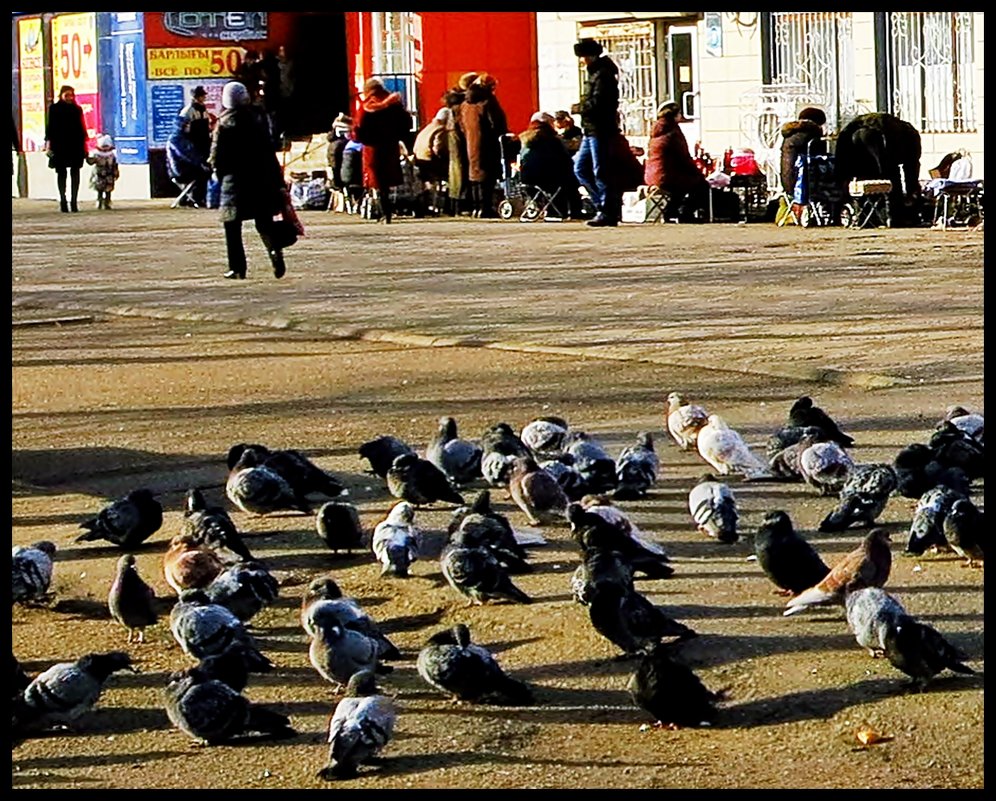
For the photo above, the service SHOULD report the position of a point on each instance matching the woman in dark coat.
(669, 167)
(483, 123)
(65, 138)
(382, 123)
(544, 161)
(796, 138)
(252, 183)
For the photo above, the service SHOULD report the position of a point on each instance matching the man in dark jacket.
(599, 110)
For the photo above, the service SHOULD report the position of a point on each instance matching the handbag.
(286, 224)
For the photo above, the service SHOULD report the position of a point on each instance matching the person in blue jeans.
(599, 110)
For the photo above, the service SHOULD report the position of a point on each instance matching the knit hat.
(486, 80)
(104, 142)
(234, 94)
(669, 106)
(443, 115)
(813, 114)
(541, 116)
(198, 91)
(588, 47)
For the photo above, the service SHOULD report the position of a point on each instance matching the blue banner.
(166, 101)
(128, 93)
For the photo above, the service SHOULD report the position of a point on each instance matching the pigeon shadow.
(108, 552)
(65, 761)
(83, 609)
(123, 720)
(411, 622)
(710, 650)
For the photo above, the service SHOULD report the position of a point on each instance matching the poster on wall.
(29, 45)
(74, 63)
(128, 87)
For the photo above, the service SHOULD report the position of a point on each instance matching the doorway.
(682, 73)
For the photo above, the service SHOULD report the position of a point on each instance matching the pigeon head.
(523, 465)
(878, 535)
(778, 522)
(804, 403)
(324, 588)
(194, 596)
(717, 422)
(363, 682)
(955, 411)
(46, 547)
(481, 503)
(249, 457)
(402, 513)
(404, 461)
(596, 500)
(461, 635)
(100, 666)
(126, 562)
(557, 421)
(195, 501)
(913, 457)
(646, 440)
(448, 427)
(444, 637)
(675, 400)
(143, 494)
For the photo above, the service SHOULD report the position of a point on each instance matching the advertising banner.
(193, 62)
(29, 45)
(74, 62)
(128, 87)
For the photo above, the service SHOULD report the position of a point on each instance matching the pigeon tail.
(510, 591)
(514, 692)
(814, 596)
(841, 517)
(267, 721)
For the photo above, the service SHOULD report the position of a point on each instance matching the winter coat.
(431, 142)
(105, 170)
(455, 145)
(599, 106)
(337, 144)
(796, 136)
(381, 125)
(66, 135)
(242, 156)
(669, 165)
(543, 158)
(197, 127)
(572, 138)
(352, 164)
(483, 123)
(875, 146)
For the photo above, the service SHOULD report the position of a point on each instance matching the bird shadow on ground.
(710, 650)
(699, 611)
(606, 666)
(83, 609)
(122, 720)
(64, 761)
(411, 622)
(107, 552)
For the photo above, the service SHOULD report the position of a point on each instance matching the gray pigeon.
(211, 712)
(501, 438)
(360, 727)
(862, 498)
(127, 522)
(244, 589)
(420, 482)
(66, 691)
(231, 666)
(211, 526)
(871, 613)
(636, 468)
(338, 525)
(19, 679)
(483, 527)
(790, 435)
(536, 492)
(714, 509)
(206, 629)
(337, 652)
(593, 462)
(31, 571)
(921, 652)
(324, 605)
(565, 471)
(450, 662)
(303, 475)
(131, 601)
(496, 467)
(477, 574)
(260, 490)
(964, 529)
(927, 525)
(970, 423)
(396, 541)
(785, 464)
(599, 567)
(458, 458)
(825, 466)
(546, 437)
(381, 453)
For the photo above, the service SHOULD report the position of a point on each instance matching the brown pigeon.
(189, 565)
(867, 565)
(536, 492)
(683, 420)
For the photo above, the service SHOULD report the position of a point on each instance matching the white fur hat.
(234, 94)
(105, 142)
(541, 116)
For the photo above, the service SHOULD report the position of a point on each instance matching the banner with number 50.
(74, 62)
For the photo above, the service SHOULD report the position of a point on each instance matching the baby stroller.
(818, 198)
(530, 203)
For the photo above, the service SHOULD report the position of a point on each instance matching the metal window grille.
(631, 46)
(931, 69)
(816, 50)
(391, 42)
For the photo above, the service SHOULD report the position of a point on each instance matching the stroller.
(818, 198)
(530, 203)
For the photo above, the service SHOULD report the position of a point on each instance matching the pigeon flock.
(567, 487)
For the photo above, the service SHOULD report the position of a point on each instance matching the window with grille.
(930, 69)
(391, 42)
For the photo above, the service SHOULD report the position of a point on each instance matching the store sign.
(193, 62)
(74, 63)
(29, 44)
(229, 26)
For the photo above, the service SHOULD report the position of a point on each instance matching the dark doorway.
(317, 47)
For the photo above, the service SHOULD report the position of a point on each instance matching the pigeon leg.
(141, 635)
(783, 593)
(131, 635)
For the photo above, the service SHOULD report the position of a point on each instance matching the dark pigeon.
(127, 522)
(636, 468)
(450, 662)
(420, 482)
(231, 666)
(670, 692)
(628, 620)
(458, 458)
(501, 438)
(483, 527)
(921, 652)
(786, 557)
(592, 530)
(382, 452)
(339, 527)
(566, 473)
(917, 470)
(952, 447)
(965, 531)
(260, 490)
(131, 601)
(862, 498)
(244, 589)
(805, 413)
(211, 526)
(31, 571)
(597, 468)
(477, 574)
(19, 679)
(360, 727)
(303, 475)
(600, 567)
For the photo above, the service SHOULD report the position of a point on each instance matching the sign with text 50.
(193, 62)
(74, 52)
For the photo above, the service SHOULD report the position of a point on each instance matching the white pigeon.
(726, 451)
(684, 420)
(965, 421)
(826, 466)
(714, 509)
(396, 540)
(871, 613)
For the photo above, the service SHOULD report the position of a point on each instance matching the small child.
(105, 170)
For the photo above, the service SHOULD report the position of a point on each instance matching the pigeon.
(564, 470)
(785, 556)
(786, 463)
(259, 490)
(921, 652)
(546, 437)
(211, 712)
(927, 525)
(458, 458)
(590, 529)
(917, 470)
(501, 438)
(420, 482)
(382, 452)
(482, 527)
(66, 691)
(324, 605)
(31, 571)
(964, 529)
(338, 525)
(337, 652)
(206, 629)
(867, 565)
(952, 447)
(396, 541)
(536, 492)
(636, 468)
(20, 679)
(131, 601)
(496, 467)
(671, 692)
(825, 466)
(965, 421)
(714, 509)
(243, 589)
(231, 666)
(189, 565)
(360, 727)
(465, 671)
(127, 522)
(871, 612)
(725, 450)
(629, 620)
(211, 526)
(790, 435)
(805, 413)
(683, 420)
(862, 498)
(598, 567)
(603, 507)
(477, 574)
(597, 468)
(303, 475)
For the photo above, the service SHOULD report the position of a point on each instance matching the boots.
(277, 259)
(63, 206)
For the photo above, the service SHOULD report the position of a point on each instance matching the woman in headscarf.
(382, 123)
(483, 122)
(670, 169)
(456, 182)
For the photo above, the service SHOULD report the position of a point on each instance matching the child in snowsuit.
(105, 170)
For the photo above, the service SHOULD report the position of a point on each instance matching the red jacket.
(669, 165)
(381, 124)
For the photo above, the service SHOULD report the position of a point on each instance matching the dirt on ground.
(106, 404)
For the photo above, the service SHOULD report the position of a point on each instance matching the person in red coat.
(65, 141)
(670, 169)
(382, 123)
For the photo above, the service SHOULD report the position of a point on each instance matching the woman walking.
(252, 183)
(65, 141)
